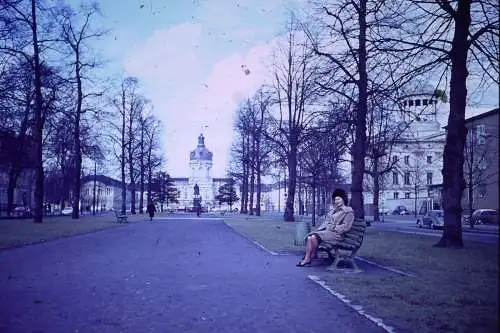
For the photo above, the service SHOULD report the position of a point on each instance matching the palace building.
(200, 166)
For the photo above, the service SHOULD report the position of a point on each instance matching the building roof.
(179, 179)
(479, 114)
(201, 152)
(103, 179)
(482, 115)
(221, 179)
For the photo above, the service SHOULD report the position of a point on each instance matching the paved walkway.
(186, 275)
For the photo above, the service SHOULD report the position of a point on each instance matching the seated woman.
(337, 222)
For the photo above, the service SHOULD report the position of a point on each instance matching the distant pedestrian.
(151, 210)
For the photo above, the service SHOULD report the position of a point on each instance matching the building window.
(429, 178)
(394, 159)
(407, 159)
(483, 193)
(429, 159)
(87, 191)
(424, 102)
(395, 178)
(407, 195)
(482, 165)
(410, 103)
(417, 102)
(108, 191)
(481, 134)
(395, 195)
(407, 178)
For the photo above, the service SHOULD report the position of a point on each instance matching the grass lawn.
(454, 290)
(16, 232)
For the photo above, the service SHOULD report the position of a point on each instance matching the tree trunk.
(252, 187)
(150, 179)
(259, 184)
(246, 170)
(376, 194)
(453, 156)
(314, 204)
(93, 190)
(132, 187)
(78, 150)
(292, 182)
(130, 151)
(359, 151)
(143, 171)
(38, 130)
(122, 162)
(13, 177)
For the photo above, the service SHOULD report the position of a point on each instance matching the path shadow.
(344, 267)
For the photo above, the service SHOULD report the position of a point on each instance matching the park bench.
(121, 218)
(351, 244)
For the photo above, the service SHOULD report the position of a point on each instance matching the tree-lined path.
(185, 275)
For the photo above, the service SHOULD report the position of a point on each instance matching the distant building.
(481, 161)
(200, 165)
(108, 194)
(108, 190)
(417, 154)
(17, 153)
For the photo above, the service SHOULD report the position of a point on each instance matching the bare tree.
(383, 135)
(262, 100)
(252, 126)
(76, 33)
(479, 153)
(240, 150)
(294, 88)
(137, 106)
(442, 36)
(122, 103)
(153, 157)
(345, 54)
(19, 34)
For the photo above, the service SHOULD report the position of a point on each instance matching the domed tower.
(422, 108)
(200, 163)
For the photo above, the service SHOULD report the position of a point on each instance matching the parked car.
(433, 219)
(400, 210)
(67, 211)
(485, 216)
(21, 212)
(383, 211)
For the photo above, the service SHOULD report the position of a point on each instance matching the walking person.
(151, 209)
(337, 222)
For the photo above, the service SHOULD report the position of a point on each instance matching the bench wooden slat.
(355, 232)
(352, 241)
(121, 218)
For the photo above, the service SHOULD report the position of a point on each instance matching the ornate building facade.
(417, 156)
(200, 166)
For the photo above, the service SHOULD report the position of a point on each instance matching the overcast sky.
(188, 57)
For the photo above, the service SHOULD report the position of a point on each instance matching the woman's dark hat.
(340, 193)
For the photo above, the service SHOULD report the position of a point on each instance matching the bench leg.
(347, 259)
(330, 256)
